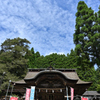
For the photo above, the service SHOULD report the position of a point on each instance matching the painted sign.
(27, 97)
(14, 98)
(72, 93)
(32, 93)
(83, 98)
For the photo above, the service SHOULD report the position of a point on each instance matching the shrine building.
(52, 84)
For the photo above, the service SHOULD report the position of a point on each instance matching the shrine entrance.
(50, 96)
(50, 86)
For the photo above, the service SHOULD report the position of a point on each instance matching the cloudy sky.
(48, 24)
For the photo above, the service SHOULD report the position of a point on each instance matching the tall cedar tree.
(87, 33)
(95, 39)
(83, 32)
(87, 37)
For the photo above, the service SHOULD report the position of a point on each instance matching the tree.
(87, 33)
(32, 56)
(72, 59)
(83, 31)
(87, 41)
(98, 79)
(55, 60)
(95, 39)
(12, 59)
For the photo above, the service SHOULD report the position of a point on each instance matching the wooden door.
(51, 97)
(58, 96)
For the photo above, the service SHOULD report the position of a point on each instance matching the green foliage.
(98, 79)
(12, 60)
(87, 41)
(55, 60)
(87, 32)
(32, 56)
(14, 95)
(98, 87)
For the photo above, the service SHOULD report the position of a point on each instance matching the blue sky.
(48, 24)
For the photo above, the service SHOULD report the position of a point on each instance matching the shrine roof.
(90, 93)
(67, 73)
(50, 68)
(20, 82)
(70, 74)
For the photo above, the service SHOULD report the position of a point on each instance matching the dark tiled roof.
(30, 75)
(72, 75)
(67, 73)
(20, 82)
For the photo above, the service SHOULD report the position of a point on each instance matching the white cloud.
(48, 24)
